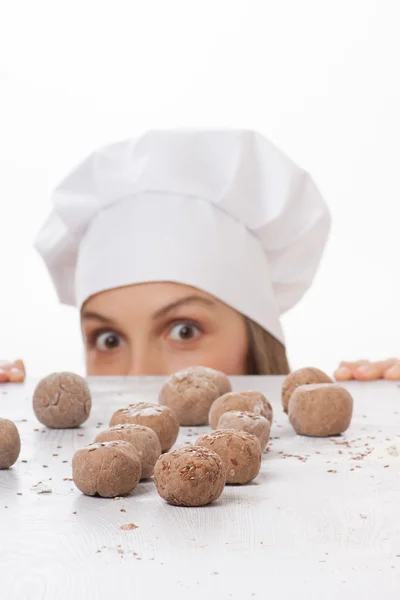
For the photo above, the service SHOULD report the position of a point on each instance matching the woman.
(183, 248)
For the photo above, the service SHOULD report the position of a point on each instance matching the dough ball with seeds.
(62, 401)
(160, 419)
(106, 469)
(304, 376)
(320, 409)
(189, 395)
(240, 452)
(190, 476)
(10, 443)
(142, 438)
(241, 420)
(219, 379)
(251, 401)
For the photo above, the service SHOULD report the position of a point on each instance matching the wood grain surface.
(322, 519)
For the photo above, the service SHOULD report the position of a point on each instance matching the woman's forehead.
(150, 297)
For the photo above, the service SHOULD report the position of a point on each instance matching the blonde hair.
(266, 356)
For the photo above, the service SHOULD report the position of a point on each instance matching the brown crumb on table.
(24, 461)
(122, 510)
(332, 471)
(55, 454)
(67, 479)
(129, 526)
(120, 550)
(363, 516)
(80, 434)
(59, 447)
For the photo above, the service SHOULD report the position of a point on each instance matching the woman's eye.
(108, 341)
(184, 332)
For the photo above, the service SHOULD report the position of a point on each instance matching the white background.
(319, 78)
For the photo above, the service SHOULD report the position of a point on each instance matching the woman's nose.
(145, 362)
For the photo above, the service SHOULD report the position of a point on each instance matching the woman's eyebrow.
(86, 315)
(183, 301)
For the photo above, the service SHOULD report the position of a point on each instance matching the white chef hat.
(223, 211)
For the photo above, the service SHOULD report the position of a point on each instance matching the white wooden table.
(322, 520)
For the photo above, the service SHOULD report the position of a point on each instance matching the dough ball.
(10, 443)
(160, 419)
(62, 401)
(301, 377)
(260, 404)
(251, 401)
(189, 395)
(190, 476)
(142, 438)
(107, 469)
(240, 452)
(216, 377)
(241, 420)
(320, 409)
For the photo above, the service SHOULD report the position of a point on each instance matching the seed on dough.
(237, 448)
(247, 421)
(193, 476)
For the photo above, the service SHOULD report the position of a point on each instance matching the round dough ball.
(10, 443)
(301, 377)
(261, 405)
(189, 395)
(160, 419)
(320, 409)
(62, 401)
(142, 438)
(190, 476)
(240, 452)
(251, 401)
(216, 377)
(108, 469)
(242, 420)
